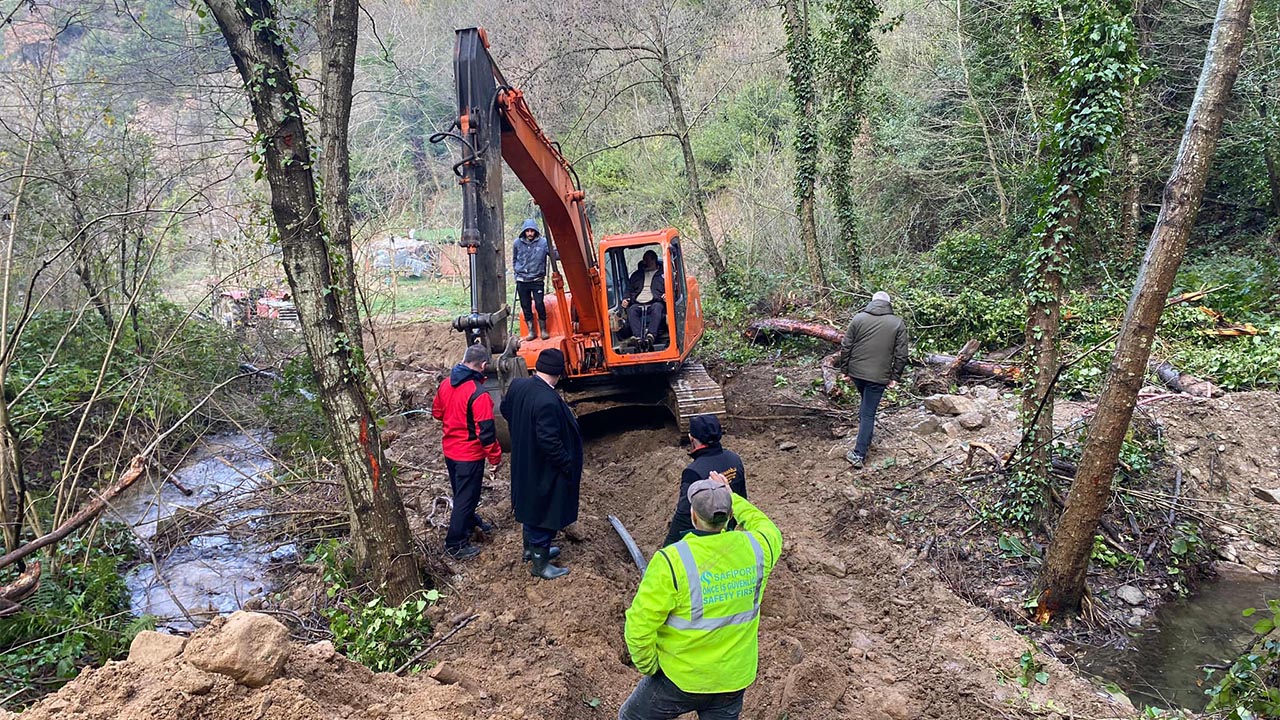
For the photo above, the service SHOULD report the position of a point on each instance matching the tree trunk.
(319, 275)
(1270, 153)
(671, 86)
(338, 27)
(804, 92)
(1062, 580)
(1044, 317)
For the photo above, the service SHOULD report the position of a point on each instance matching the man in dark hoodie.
(465, 408)
(708, 456)
(529, 253)
(873, 352)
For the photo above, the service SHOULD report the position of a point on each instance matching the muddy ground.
(892, 600)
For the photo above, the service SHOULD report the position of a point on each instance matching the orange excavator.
(606, 368)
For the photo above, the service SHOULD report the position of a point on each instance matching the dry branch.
(87, 513)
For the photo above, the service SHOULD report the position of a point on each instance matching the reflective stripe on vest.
(696, 620)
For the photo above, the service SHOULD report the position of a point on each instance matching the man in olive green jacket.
(873, 352)
(693, 628)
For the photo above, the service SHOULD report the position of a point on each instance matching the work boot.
(855, 459)
(481, 525)
(466, 552)
(542, 324)
(542, 566)
(529, 322)
(553, 552)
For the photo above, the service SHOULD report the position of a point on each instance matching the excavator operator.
(645, 302)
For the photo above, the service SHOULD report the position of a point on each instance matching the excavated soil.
(858, 621)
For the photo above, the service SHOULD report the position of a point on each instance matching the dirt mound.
(317, 683)
(1229, 449)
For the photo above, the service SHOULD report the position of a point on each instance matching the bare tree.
(317, 261)
(1062, 581)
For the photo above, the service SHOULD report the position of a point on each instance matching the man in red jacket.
(470, 438)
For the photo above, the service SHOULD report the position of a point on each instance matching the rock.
(1130, 595)
(973, 420)
(985, 394)
(788, 446)
(951, 405)
(250, 648)
(1265, 495)
(927, 426)
(951, 428)
(833, 566)
(192, 681)
(152, 648)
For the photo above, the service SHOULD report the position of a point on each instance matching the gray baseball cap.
(712, 501)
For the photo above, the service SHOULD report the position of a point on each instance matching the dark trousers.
(530, 294)
(871, 394)
(538, 537)
(647, 319)
(657, 698)
(466, 477)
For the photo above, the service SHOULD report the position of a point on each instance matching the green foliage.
(1102, 554)
(1187, 550)
(1031, 669)
(61, 357)
(1023, 499)
(1250, 689)
(79, 616)
(379, 636)
(293, 410)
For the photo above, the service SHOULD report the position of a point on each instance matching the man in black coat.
(546, 461)
(708, 456)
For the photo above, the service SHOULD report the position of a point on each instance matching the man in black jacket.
(708, 456)
(873, 352)
(546, 461)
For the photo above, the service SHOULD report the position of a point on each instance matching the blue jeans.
(657, 698)
(871, 394)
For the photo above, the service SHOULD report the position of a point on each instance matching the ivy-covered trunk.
(317, 264)
(1099, 66)
(804, 93)
(1062, 580)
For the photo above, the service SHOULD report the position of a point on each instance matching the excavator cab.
(666, 318)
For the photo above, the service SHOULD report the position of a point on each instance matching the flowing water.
(206, 559)
(1163, 667)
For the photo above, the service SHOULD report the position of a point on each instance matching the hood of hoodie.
(461, 373)
(878, 307)
(530, 224)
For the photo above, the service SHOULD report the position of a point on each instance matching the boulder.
(973, 420)
(152, 648)
(1130, 595)
(951, 405)
(250, 648)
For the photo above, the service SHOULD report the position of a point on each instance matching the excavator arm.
(495, 124)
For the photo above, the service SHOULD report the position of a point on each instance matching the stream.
(1162, 667)
(203, 557)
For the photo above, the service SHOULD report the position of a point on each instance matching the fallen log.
(762, 330)
(831, 375)
(952, 373)
(979, 368)
(1182, 382)
(87, 513)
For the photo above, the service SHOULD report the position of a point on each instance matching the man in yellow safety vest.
(693, 627)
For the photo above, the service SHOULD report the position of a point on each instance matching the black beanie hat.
(706, 428)
(551, 362)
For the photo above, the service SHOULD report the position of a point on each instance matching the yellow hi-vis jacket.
(696, 615)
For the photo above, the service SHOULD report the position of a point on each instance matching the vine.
(846, 56)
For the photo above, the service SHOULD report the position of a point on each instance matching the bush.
(379, 636)
(1251, 688)
(79, 616)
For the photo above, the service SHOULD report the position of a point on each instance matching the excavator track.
(693, 392)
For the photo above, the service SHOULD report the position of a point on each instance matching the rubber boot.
(542, 566)
(542, 324)
(529, 322)
(553, 552)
